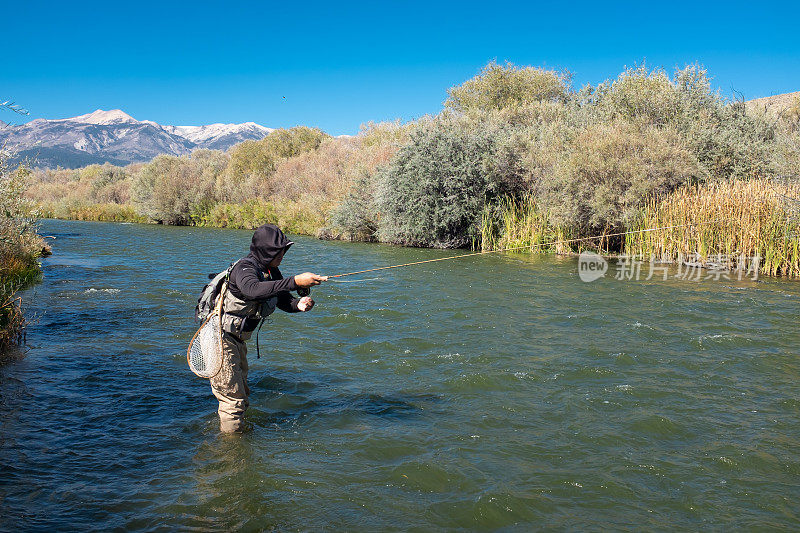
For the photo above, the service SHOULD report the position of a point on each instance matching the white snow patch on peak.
(115, 116)
(212, 131)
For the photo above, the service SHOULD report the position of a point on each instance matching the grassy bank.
(20, 247)
(293, 217)
(17, 271)
(731, 224)
(93, 212)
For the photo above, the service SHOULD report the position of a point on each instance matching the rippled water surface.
(483, 393)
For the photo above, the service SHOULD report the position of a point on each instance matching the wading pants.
(230, 384)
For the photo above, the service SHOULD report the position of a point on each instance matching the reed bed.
(17, 271)
(747, 225)
(735, 224)
(522, 224)
(304, 218)
(103, 212)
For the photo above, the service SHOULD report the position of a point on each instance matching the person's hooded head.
(269, 243)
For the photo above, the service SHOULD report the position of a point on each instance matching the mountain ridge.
(115, 137)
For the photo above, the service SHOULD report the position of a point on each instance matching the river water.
(493, 392)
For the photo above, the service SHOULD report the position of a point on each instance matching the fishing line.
(527, 246)
(354, 280)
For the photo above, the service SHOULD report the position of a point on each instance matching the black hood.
(268, 241)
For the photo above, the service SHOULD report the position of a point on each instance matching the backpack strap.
(221, 298)
(258, 330)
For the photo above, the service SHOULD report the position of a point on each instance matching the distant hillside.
(775, 104)
(116, 137)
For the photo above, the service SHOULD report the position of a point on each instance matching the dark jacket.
(252, 278)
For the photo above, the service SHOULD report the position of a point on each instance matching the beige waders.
(230, 384)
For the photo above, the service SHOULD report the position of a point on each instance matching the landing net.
(205, 350)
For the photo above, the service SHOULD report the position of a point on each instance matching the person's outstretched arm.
(245, 279)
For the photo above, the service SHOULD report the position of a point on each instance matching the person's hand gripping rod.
(304, 282)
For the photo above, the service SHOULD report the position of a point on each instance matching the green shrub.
(726, 140)
(742, 145)
(499, 87)
(111, 185)
(176, 190)
(357, 216)
(435, 189)
(393, 133)
(639, 95)
(17, 214)
(249, 162)
(283, 143)
(788, 156)
(609, 170)
(20, 247)
(252, 163)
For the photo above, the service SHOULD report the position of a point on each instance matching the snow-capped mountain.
(116, 137)
(220, 136)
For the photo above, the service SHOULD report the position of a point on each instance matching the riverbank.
(516, 156)
(745, 225)
(734, 225)
(20, 249)
(291, 217)
(17, 272)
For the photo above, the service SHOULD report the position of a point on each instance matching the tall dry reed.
(737, 224)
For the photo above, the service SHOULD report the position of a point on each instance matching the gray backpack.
(208, 298)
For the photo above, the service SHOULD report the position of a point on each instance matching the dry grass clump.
(292, 217)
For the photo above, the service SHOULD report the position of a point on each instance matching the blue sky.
(338, 65)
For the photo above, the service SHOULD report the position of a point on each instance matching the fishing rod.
(531, 246)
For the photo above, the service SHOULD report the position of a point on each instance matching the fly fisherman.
(255, 288)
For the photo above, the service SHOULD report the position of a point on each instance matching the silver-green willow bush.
(590, 158)
(434, 190)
